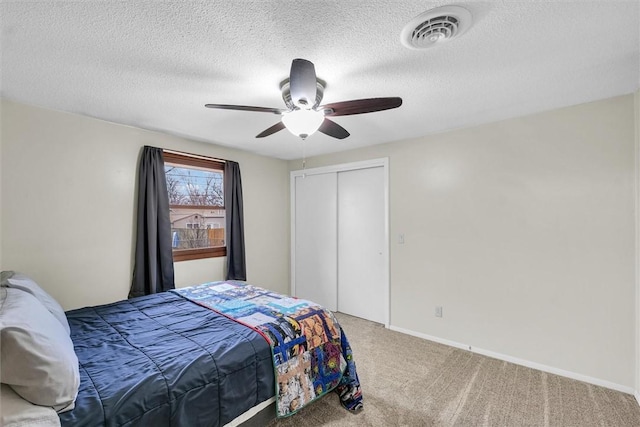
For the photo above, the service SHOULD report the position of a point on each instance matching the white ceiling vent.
(435, 26)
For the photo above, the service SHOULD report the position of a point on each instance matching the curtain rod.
(195, 156)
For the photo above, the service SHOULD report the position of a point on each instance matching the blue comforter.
(161, 360)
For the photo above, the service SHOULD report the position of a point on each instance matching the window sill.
(189, 254)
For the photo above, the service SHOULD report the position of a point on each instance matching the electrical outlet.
(401, 239)
(438, 311)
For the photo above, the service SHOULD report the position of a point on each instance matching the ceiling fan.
(302, 93)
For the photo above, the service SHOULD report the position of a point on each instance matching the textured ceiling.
(155, 64)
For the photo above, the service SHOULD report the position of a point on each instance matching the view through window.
(196, 206)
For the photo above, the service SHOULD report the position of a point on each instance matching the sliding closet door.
(315, 262)
(362, 281)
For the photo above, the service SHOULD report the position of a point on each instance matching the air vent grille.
(436, 26)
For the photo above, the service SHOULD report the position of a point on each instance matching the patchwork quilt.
(311, 353)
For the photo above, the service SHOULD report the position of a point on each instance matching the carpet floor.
(423, 383)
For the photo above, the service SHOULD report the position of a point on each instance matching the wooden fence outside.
(193, 238)
(216, 236)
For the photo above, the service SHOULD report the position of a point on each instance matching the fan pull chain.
(304, 157)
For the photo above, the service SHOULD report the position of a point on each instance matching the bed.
(200, 356)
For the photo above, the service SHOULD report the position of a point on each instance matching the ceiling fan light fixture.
(303, 85)
(303, 123)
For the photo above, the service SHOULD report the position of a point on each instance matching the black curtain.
(153, 268)
(236, 264)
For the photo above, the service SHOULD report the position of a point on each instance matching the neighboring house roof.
(194, 214)
(183, 217)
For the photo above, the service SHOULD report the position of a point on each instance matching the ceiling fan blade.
(245, 108)
(360, 106)
(302, 83)
(333, 129)
(273, 129)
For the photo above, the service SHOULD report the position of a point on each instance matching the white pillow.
(16, 280)
(38, 360)
(17, 412)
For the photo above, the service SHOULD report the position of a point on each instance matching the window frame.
(193, 160)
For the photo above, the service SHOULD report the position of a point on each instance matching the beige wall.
(1, 144)
(637, 180)
(68, 192)
(524, 231)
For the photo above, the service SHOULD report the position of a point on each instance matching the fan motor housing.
(285, 88)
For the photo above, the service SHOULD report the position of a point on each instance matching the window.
(196, 200)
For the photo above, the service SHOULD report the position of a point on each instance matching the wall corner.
(636, 116)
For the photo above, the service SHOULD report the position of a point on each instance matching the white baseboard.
(523, 362)
(250, 413)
